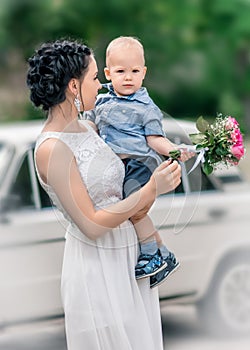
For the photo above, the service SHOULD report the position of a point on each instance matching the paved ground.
(181, 329)
(39, 336)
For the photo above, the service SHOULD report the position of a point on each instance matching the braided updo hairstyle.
(51, 68)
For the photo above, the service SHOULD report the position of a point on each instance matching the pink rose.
(237, 151)
(236, 136)
(231, 123)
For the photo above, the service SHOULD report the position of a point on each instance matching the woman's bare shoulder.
(45, 148)
(49, 150)
(53, 155)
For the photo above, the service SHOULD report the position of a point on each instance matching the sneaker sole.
(152, 273)
(164, 279)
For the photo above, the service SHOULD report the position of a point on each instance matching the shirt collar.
(141, 95)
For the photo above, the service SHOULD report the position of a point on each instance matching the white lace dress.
(105, 307)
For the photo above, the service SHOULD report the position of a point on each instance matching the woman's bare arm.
(57, 167)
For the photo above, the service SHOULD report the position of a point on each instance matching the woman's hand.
(166, 177)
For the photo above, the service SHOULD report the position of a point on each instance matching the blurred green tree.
(26, 23)
(229, 39)
(197, 51)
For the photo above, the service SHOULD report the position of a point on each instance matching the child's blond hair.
(123, 42)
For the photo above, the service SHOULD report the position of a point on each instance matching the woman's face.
(90, 85)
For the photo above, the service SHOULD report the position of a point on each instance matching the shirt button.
(123, 111)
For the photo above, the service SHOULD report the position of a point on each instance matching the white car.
(205, 223)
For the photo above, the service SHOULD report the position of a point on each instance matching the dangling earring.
(77, 103)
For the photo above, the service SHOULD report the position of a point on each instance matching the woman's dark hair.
(51, 68)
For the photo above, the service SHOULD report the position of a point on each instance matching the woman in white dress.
(105, 307)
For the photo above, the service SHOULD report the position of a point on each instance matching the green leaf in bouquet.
(207, 168)
(221, 151)
(175, 154)
(198, 147)
(197, 138)
(202, 124)
(211, 140)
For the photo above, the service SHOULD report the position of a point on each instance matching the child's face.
(126, 70)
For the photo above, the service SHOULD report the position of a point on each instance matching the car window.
(196, 180)
(26, 186)
(6, 153)
(21, 187)
(44, 200)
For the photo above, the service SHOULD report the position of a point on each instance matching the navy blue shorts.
(137, 173)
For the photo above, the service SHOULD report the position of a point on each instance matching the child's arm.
(160, 144)
(163, 146)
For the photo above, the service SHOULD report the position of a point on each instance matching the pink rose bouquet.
(221, 141)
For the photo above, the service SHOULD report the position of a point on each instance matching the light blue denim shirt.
(125, 121)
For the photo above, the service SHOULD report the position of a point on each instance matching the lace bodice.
(101, 170)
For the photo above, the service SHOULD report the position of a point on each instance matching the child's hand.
(183, 152)
(186, 155)
(187, 152)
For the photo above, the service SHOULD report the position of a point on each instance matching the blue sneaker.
(148, 265)
(160, 277)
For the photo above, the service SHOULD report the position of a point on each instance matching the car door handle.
(217, 213)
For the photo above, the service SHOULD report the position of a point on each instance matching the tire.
(226, 307)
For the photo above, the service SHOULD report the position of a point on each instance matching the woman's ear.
(73, 86)
(107, 73)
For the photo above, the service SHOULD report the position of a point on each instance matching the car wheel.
(226, 307)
